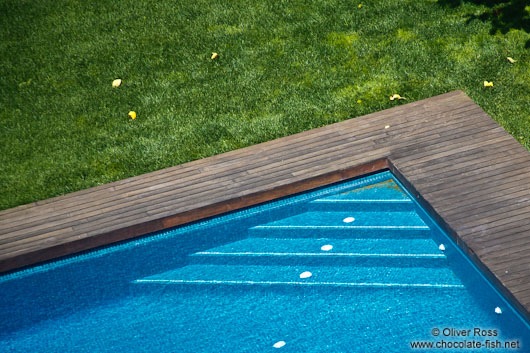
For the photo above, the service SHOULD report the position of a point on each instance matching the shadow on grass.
(502, 14)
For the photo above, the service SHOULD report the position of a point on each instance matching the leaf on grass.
(488, 84)
(132, 114)
(27, 83)
(510, 59)
(116, 83)
(214, 55)
(396, 96)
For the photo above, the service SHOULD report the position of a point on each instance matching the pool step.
(325, 276)
(384, 196)
(377, 240)
(385, 190)
(343, 252)
(354, 205)
(345, 225)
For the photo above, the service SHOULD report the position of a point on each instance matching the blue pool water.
(353, 267)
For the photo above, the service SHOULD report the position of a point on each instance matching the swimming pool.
(355, 266)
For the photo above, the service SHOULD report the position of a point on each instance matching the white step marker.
(279, 344)
(306, 274)
(326, 247)
(442, 247)
(498, 311)
(348, 219)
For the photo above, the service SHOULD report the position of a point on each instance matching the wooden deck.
(459, 162)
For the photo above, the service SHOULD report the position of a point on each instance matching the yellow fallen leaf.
(359, 101)
(116, 83)
(387, 126)
(488, 84)
(214, 55)
(511, 60)
(396, 96)
(360, 5)
(132, 115)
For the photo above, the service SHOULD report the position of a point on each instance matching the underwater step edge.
(325, 252)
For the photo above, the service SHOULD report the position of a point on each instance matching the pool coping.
(458, 162)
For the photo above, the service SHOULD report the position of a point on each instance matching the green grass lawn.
(283, 67)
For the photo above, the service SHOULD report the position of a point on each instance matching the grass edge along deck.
(447, 136)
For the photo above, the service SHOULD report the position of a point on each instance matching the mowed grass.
(283, 67)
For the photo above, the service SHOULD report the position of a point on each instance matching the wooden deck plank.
(515, 272)
(479, 235)
(471, 190)
(517, 240)
(465, 158)
(497, 209)
(509, 163)
(131, 215)
(519, 287)
(458, 161)
(518, 192)
(462, 160)
(513, 194)
(163, 202)
(500, 232)
(159, 195)
(453, 147)
(497, 219)
(501, 258)
(522, 287)
(83, 232)
(471, 184)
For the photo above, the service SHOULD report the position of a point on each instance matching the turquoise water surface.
(352, 267)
